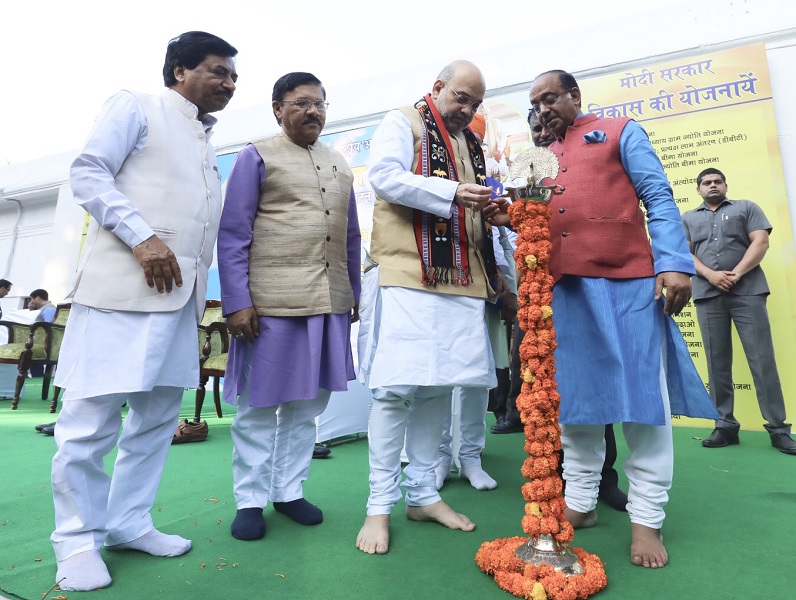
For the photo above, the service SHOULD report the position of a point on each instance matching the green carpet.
(728, 531)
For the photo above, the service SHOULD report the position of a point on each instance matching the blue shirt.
(643, 167)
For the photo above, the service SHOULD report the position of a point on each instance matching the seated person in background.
(5, 287)
(40, 300)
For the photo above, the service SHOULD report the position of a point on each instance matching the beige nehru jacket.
(298, 262)
(393, 245)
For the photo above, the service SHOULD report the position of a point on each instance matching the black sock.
(249, 524)
(300, 511)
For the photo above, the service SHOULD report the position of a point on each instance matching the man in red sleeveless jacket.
(620, 356)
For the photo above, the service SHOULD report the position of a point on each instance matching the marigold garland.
(538, 405)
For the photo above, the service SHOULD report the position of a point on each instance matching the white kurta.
(109, 352)
(421, 338)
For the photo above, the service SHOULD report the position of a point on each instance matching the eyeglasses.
(304, 103)
(547, 101)
(464, 99)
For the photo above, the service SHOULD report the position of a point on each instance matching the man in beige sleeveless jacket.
(148, 178)
(436, 269)
(289, 263)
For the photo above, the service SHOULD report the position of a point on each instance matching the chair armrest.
(223, 331)
(34, 327)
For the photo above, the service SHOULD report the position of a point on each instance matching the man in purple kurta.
(289, 264)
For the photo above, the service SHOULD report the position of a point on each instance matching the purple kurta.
(293, 356)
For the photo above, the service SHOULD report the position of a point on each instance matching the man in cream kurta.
(424, 339)
(148, 178)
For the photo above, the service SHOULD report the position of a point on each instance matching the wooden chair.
(213, 352)
(42, 343)
(61, 316)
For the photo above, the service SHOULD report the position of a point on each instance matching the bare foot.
(580, 520)
(374, 537)
(646, 547)
(441, 513)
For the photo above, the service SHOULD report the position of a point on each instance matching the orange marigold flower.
(532, 525)
(567, 532)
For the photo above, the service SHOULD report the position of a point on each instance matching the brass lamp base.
(545, 550)
(530, 192)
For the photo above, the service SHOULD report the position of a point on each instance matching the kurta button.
(564, 233)
(327, 212)
(328, 238)
(327, 265)
(323, 189)
(318, 168)
(561, 210)
(564, 170)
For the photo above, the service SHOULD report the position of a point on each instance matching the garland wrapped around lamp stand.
(542, 566)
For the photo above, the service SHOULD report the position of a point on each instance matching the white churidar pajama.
(410, 414)
(416, 363)
(272, 446)
(649, 467)
(473, 403)
(109, 358)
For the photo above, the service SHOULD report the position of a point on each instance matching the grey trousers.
(750, 317)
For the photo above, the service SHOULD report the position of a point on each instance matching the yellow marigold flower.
(528, 376)
(538, 593)
(547, 312)
(531, 261)
(535, 510)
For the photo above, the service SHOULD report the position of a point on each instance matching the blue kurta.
(608, 360)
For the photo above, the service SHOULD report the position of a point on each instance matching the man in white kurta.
(424, 339)
(148, 178)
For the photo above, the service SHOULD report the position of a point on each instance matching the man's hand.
(509, 308)
(474, 196)
(159, 264)
(678, 290)
(355, 313)
(244, 324)
(722, 280)
(497, 212)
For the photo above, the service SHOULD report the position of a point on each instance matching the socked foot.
(478, 478)
(580, 520)
(83, 572)
(442, 470)
(646, 547)
(156, 543)
(249, 524)
(301, 511)
(374, 537)
(442, 514)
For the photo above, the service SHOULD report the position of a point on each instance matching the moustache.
(309, 120)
